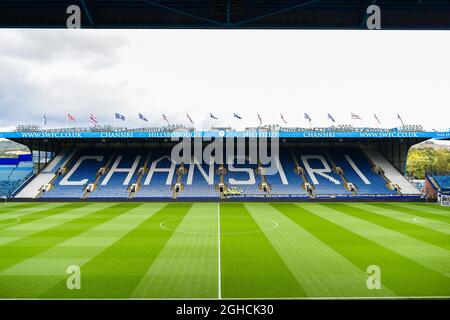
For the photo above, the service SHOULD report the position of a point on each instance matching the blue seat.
(115, 187)
(13, 176)
(247, 190)
(158, 187)
(377, 183)
(87, 170)
(199, 188)
(443, 182)
(331, 184)
(293, 188)
(327, 183)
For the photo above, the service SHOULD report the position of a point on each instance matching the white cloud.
(225, 71)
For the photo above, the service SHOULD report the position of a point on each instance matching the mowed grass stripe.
(6, 211)
(6, 208)
(187, 266)
(416, 212)
(403, 276)
(433, 205)
(12, 218)
(116, 271)
(18, 231)
(35, 276)
(4, 205)
(10, 203)
(250, 266)
(432, 257)
(27, 247)
(429, 207)
(441, 227)
(320, 271)
(408, 228)
(41, 212)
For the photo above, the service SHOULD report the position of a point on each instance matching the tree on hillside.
(428, 160)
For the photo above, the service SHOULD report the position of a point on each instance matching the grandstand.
(312, 164)
(437, 187)
(13, 173)
(243, 227)
(149, 173)
(443, 183)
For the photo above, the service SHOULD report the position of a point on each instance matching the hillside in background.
(428, 157)
(7, 148)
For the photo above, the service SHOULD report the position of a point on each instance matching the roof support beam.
(182, 12)
(88, 10)
(270, 14)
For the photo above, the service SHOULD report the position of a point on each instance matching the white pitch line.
(433, 223)
(219, 284)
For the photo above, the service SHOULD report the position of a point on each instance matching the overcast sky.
(175, 72)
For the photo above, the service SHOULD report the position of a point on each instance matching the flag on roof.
(400, 118)
(237, 116)
(45, 120)
(93, 119)
(355, 116)
(141, 117)
(120, 116)
(307, 117)
(282, 118)
(70, 117)
(189, 118)
(165, 119)
(259, 118)
(213, 116)
(331, 117)
(376, 118)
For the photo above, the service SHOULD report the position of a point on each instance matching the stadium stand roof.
(393, 143)
(264, 131)
(227, 14)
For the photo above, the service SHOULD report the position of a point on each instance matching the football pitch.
(226, 250)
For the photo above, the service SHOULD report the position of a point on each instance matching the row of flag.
(353, 116)
(93, 119)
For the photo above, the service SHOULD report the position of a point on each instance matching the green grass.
(231, 250)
